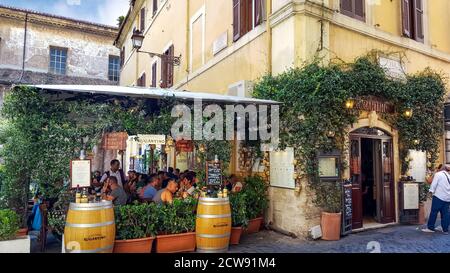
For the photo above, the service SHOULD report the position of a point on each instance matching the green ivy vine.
(314, 98)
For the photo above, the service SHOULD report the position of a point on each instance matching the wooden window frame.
(111, 72)
(352, 13)
(54, 70)
(253, 17)
(409, 17)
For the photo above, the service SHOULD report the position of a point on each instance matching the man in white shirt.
(440, 188)
(116, 172)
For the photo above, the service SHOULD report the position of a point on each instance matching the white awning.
(154, 93)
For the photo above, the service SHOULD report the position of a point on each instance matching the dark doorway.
(369, 199)
(371, 172)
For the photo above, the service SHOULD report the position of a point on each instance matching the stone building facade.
(39, 48)
(227, 45)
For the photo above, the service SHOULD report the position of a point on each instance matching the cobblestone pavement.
(394, 239)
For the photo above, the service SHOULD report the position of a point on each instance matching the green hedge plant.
(239, 217)
(9, 224)
(178, 217)
(136, 221)
(255, 190)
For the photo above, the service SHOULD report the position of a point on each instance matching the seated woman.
(165, 196)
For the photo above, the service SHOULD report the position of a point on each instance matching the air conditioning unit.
(241, 89)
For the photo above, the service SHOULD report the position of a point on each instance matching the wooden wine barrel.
(90, 228)
(213, 225)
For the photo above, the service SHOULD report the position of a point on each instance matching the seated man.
(189, 185)
(165, 195)
(149, 191)
(113, 192)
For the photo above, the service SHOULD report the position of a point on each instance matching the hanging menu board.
(80, 173)
(213, 173)
(347, 212)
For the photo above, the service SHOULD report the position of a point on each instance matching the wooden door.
(355, 176)
(387, 198)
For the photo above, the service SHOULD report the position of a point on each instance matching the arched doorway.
(372, 175)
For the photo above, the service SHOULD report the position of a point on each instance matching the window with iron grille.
(58, 60)
(114, 68)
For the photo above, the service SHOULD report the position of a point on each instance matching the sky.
(97, 11)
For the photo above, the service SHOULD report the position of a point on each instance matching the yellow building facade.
(223, 51)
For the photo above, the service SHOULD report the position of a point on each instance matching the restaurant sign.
(115, 141)
(371, 103)
(152, 139)
(184, 146)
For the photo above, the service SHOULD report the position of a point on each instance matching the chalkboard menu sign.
(347, 212)
(213, 173)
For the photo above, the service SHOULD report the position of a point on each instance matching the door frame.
(388, 137)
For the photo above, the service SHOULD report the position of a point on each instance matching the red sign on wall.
(115, 141)
(184, 146)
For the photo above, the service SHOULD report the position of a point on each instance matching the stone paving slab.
(394, 239)
(397, 239)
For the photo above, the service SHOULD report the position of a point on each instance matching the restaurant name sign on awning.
(151, 139)
(115, 141)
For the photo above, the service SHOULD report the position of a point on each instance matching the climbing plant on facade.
(314, 117)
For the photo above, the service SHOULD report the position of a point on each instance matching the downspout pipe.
(24, 53)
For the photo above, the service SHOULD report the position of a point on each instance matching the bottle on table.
(78, 195)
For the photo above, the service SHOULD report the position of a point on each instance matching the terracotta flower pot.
(235, 237)
(143, 245)
(422, 216)
(331, 226)
(175, 243)
(22, 232)
(254, 225)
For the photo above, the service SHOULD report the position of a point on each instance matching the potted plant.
(255, 190)
(239, 218)
(9, 241)
(135, 228)
(424, 194)
(329, 198)
(176, 226)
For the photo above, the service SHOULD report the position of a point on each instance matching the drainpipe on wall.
(269, 36)
(24, 48)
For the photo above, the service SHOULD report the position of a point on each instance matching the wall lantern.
(202, 148)
(350, 104)
(138, 40)
(416, 142)
(408, 113)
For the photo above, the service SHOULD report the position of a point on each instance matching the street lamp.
(138, 40)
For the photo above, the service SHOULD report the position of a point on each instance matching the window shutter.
(243, 14)
(163, 72)
(143, 20)
(143, 80)
(170, 67)
(259, 11)
(406, 18)
(249, 16)
(122, 57)
(155, 6)
(236, 19)
(418, 20)
(347, 7)
(360, 13)
(154, 71)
